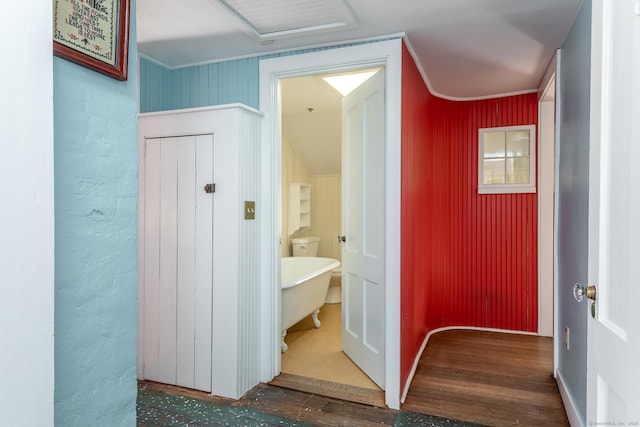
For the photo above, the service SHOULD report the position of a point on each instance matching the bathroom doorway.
(313, 150)
(387, 54)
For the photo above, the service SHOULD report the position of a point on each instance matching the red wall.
(467, 259)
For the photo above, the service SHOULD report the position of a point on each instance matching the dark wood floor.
(488, 378)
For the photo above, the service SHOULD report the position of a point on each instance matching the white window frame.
(530, 187)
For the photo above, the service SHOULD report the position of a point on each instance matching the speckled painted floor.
(155, 408)
(161, 409)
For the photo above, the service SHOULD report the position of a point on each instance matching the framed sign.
(93, 33)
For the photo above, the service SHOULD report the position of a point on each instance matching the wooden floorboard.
(330, 389)
(294, 405)
(317, 409)
(489, 378)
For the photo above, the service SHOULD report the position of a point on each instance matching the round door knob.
(579, 292)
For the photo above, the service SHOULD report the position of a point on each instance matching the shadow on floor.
(159, 408)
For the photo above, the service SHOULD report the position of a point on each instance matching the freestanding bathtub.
(305, 281)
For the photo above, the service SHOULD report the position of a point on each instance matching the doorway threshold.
(331, 389)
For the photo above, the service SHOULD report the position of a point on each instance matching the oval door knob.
(579, 292)
(342, 239)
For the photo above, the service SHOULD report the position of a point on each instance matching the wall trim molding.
(414, 368)
(337, 45)
(547, 177)
(275, 53)
(569, 405)
(435, 93)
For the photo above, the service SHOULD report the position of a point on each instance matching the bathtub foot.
(284, 347)
(314, 316)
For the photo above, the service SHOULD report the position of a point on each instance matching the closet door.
(178, 260)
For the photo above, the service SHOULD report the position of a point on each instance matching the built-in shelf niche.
(299, 206)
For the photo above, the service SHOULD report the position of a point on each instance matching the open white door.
(363, 252)
(613, 368)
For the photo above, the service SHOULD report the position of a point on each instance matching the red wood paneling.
(467, 259)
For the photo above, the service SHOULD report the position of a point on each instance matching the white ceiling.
(316, 135)
(466, 48)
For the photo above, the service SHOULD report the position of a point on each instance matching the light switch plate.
(249, 210)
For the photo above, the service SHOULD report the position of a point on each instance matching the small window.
(507, 160)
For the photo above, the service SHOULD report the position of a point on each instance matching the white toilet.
(305, 246)
(308, 246)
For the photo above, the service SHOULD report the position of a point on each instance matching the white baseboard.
(405, 391)
(569, 406)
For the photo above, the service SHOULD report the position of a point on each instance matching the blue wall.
(203, 85)
(211, 84)
(96, 187)
(573, 202)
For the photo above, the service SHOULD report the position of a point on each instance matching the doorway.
(383, 54)
(326, 153)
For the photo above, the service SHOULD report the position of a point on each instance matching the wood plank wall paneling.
(217, 83)
(326, 205)
(467, 259)
(249, 266)
(326, 214)
(293, 170)
(154, 86)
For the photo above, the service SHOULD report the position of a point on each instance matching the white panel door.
(363, 202)
(613, 368)
(178, 274)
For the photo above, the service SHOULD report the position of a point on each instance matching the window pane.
(518, 171)
(518, 143)
(493, 144)
(494, 171)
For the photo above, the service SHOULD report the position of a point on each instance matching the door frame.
(547, 142)
(272, 70)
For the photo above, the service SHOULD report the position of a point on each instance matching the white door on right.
(363, 222)
(613, 356)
